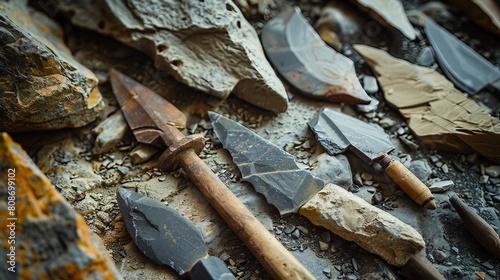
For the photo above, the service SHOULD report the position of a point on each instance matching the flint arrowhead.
(272, 171)
(160, 232)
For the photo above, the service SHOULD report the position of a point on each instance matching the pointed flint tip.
(213, 116)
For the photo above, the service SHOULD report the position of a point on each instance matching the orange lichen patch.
(39, 208)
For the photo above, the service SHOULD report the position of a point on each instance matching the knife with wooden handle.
(338, 132)
(275, 174)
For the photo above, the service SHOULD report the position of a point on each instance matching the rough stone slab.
(354, 219)
(51, 240)
(439, 115)
(207, 45)
(41, 86)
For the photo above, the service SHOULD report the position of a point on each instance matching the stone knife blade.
(467, 69)
(167, 238)
(338, 132)
(275, 174)
(304, 60)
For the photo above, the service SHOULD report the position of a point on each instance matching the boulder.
(208, 45)
(46, 239)
(41, 86)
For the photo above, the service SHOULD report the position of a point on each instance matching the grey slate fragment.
(207, 45)
(273, 172)
(441, 186)
(160, 232)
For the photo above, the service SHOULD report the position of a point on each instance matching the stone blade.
(467, 69)
(148, 114)
(272, 171)
(338, 132)
(302, 58)
(160, 232)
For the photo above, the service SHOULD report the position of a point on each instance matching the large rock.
(354, 219)
(207, 45)
(46, 239)
(41, 85)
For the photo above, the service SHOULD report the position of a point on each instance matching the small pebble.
(483, 179)
(357, 179)
(289, 228)
(370, 84)
(434, 158)
(488, 265)
(366, 176)
(441, 186)
(439, 256)
(377, 198)
(354, 264)
(323, 246)
(328, 272)
(400, 131)
(471, 158)
(444, 167)
(303, 229)
(492, 171)
(455, 270)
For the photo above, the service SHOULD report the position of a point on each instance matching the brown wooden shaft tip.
(478, 227)
(274, 257)
(408, 182)
(419, 267)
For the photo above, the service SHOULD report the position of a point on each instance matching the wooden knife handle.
(407, 181)
(480, 229)
(274, 257)
(419, 267)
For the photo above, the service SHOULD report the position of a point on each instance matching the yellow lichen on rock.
(48, 238)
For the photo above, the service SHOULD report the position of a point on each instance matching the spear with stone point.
(155, 121)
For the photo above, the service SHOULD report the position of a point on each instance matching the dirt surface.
(64, 154)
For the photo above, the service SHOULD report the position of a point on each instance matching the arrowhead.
(272, 171)
(306, 62)
(160, 232)
(149, 115)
